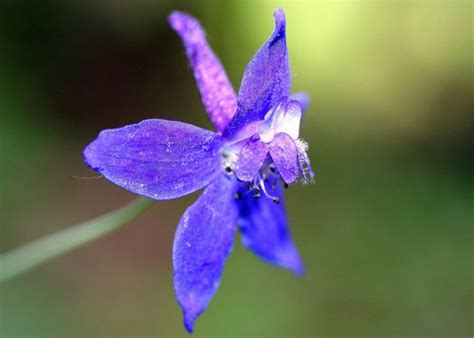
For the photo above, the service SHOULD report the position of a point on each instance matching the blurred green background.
(386, 232)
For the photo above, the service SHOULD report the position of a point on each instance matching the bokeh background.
(386, 232)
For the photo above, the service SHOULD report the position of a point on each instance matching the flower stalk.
(39, 251)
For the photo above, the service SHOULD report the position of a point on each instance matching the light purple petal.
(266, 79)
(216, 90)
(266, 232)
(156, 158)
(291, 119)
(251, 156)
(285, 156)
(203, 240)
(285, 118)
(302, 98)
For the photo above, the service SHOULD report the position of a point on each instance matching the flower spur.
(243, 166)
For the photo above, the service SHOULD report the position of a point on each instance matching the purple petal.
(285, 156)
(251, 156)
(156, 158)
(216, 90)
(203, 240)
(265, 230)
(266, 79)
(302, 98)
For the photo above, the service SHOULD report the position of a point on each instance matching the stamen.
(265, 192)
(305, 165)
(229, 158)
(237, 196)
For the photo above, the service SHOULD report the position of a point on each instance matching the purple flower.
(243, 166)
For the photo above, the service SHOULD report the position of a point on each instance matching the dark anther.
(272, 168)
(256, 195)
(237, 196)
(228, 169)
(276, 200)
(249, 186)
(286, 185)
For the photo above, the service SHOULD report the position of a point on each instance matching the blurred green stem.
(24, 258)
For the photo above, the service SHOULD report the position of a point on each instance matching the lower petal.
(285, 156)
(203, 240)
(266, 232)
(250, 159)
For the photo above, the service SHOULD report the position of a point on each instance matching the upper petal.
(216, 90)
(291, 120)
(285, 156)
(284, 118)
(302, 98)
(265, 230)
(266, 79)
(203, 240)
(156, 158)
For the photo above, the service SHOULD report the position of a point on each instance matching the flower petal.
(216, 90)
(265, 230)
(284, 118)
(203, 240)
(302, 98)
(251, 156)
(285, 156)
(156, 158)
(291, 119)
(266, 79)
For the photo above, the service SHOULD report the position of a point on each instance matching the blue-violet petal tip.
(280, 20)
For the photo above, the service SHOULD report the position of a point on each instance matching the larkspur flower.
(243, 166)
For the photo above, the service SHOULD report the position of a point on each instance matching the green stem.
(24, 258)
